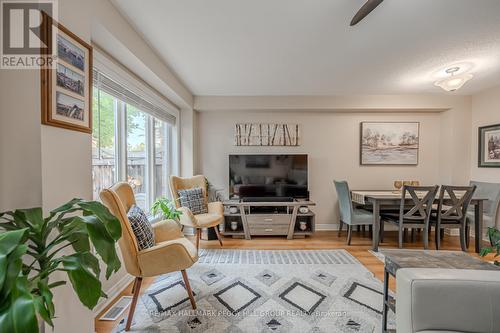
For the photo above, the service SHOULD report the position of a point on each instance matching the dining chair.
(491, 208)
(451, 212)
(172, 251)
(416, 215)
(211, 219)
(348, 214)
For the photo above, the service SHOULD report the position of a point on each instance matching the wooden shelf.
(231, 214)
(281, 220)
(306, 214)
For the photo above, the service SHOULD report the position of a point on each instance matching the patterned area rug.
(265, 291)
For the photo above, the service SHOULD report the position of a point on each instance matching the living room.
(248, 134)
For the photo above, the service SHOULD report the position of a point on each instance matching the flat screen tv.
(268, 177)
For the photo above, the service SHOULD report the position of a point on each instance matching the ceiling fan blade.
(365, 10)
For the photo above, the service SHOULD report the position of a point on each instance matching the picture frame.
(66, 86)
(389, 143)
(489, 146)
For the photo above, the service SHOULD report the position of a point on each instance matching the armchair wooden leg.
(198, 236)
(137, 289)
(341, 224)
(216, 228)
(188, 288)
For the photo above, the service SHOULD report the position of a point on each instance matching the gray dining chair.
(491, 207)
(451, 212)
(348, 214)
(416, 215)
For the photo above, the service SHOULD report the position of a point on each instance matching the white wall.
(47, 166)
(485, 111)
(332, 142)
(20, 154)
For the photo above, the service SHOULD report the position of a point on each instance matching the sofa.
(447, 301)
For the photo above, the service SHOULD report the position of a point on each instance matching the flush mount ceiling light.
(454, 81)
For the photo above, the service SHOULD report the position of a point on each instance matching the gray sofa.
(447, 301)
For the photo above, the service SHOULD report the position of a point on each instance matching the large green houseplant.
(33, 248)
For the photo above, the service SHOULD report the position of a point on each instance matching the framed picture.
(67, 85)
(489, 146)
(389, 143)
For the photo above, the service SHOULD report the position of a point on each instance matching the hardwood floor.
(361, 243)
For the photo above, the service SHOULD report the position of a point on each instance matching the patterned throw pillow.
(194, 200)
(141, 227)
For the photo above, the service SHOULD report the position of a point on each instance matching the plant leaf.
(86, 285)
(110, 222)
(18, 315)
(103, 243)
(10, 251)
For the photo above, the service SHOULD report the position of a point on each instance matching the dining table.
(386, 199)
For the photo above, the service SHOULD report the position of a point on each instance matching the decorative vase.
(234, 225)
(303, 226)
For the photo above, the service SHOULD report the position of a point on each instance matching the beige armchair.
(212, 219)
(172, 252)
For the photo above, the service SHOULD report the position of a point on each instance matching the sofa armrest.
(447, 300)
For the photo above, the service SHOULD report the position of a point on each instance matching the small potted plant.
(494, 235)
(34, 247)
(166, 208)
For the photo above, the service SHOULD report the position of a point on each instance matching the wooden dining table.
(379, 200)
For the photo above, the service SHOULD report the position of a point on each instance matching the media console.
(244, 219)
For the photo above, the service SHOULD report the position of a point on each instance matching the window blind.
(106, 84)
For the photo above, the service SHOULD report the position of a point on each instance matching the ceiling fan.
(365, 10)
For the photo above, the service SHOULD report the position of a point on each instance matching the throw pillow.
(141, 227)
(193, 199)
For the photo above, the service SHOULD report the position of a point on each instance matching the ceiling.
(306, 47)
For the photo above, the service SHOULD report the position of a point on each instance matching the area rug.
(380, 256)
(265, 291)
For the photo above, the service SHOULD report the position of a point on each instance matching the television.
(279, 178)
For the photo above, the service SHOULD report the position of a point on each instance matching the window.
(161, 164)
(129, 144)
(136, 154)
(103, 142)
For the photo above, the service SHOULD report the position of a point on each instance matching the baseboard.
(327, 226)
(113, 293)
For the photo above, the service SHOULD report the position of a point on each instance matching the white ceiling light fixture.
(454, 81)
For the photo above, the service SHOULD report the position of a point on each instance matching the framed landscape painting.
(67, 84)
(489, 146)
(389, 143)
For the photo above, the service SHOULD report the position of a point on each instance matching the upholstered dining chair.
(211, 219)
(171, 252)
(348, 214)
(451, 212)
(491, 208)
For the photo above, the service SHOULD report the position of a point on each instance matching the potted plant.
(33, 248)
(494, 235)
(166, 208)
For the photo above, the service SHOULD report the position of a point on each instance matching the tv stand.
(276, 218)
